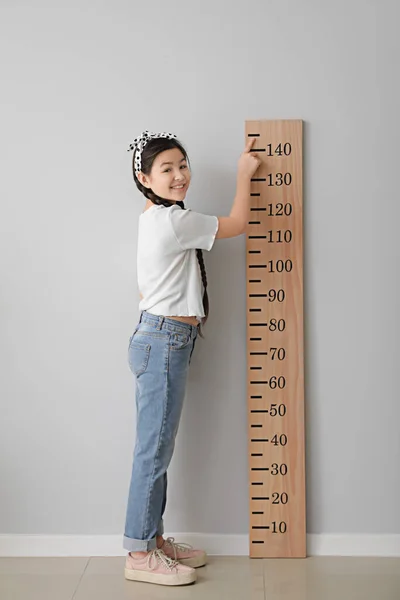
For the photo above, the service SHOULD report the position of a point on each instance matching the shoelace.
(178, 547)
(159, 555)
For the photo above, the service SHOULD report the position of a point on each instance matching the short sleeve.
(193, 229)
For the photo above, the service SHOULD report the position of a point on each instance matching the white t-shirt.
(168, 271)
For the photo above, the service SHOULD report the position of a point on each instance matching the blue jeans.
(159, 354)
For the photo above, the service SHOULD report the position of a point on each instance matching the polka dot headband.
(139, 143)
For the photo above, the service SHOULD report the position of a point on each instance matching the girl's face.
(169, 170)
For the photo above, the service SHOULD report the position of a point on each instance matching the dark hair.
(150, 152)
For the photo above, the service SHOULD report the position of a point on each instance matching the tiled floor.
(223, 578)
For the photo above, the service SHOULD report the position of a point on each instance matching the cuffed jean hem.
(139, 545)
(133, 545)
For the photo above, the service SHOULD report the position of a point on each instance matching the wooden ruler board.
(275, 363)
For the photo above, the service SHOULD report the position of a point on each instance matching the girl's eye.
(182, 167)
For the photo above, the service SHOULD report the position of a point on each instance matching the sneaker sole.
(159, 578)
(196, 561)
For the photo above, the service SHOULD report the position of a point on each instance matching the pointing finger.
(249, 144)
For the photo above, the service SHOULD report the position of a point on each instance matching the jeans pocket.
(179, 340)
(138, 356)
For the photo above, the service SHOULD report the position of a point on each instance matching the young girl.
(174, 304)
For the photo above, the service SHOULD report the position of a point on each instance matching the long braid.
(200, 260)
(199, 253)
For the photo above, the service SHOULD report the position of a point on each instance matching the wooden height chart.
(274, 251)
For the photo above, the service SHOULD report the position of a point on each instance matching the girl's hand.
(248, 161)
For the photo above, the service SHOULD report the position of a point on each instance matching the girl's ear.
(143, 179)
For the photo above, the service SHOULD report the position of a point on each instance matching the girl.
(174, 304)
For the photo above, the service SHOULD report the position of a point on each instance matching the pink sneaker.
(184, 553)
(156, 567)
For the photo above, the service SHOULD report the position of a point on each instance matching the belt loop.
(160, 322)
(141, 315)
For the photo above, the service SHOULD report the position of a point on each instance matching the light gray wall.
(79, 82)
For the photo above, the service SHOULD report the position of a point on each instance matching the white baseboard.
(214, 544)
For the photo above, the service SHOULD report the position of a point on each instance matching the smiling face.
(169, 170)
